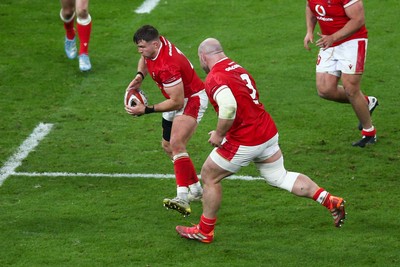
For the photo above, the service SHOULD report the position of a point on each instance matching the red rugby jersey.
(331, 16)
(171, 67)
(253, 125)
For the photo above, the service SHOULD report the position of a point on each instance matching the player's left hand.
(325, 41)
(136, 110)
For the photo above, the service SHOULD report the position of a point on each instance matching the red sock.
(366, 98)
(84, 37)
(207, 225)
(184, 172)
(370, 133)
(322, 197)
(69, 29)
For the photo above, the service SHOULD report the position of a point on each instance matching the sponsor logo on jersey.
(322, 13)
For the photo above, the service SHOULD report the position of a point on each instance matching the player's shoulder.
(164, 40)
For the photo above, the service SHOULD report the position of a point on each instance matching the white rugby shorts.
(194, 106)
(348, 57)
(231, 157)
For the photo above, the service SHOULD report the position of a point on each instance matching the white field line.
(41, 131)
(147, 6)
(23, 151)
(121, 175)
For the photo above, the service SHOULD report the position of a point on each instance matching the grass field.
(82, 220)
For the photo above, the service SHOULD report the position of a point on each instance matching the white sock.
(369, 129)
(196, 188)
(182, 192)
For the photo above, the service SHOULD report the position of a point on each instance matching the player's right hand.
(135, 83)
(215, 139)
(309, 38)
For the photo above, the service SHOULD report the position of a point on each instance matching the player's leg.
(166, 135)
(211, 174)
(327, 77)
(192, 112)
(273, 171)
(182, 129)
(328, 87)
(222, 162)
(84, 27)
(67, 15)
(351, 64)
(351, 83)
(179, 202)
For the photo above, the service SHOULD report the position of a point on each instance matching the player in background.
(69, 10)
(245, 133)
(343, 48)
(185, 104)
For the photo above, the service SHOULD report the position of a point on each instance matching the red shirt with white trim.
(171, 67)
(252, 125)
(331, 16)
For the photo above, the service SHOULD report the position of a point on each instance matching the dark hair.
(146, 33)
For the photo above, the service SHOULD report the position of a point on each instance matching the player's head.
(210, 51)
(147, 40)
(145, 33)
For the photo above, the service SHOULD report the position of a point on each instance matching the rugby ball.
(132, 96)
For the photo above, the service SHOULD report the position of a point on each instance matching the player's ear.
(203, 57)
(156, 44)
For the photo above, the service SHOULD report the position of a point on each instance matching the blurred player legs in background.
(342, 54)
(79, 9)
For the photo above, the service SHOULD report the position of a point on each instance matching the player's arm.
(357, 19)
(311, 21)
(175, 101)
(141, 69)
(139, 77)
(226, 115)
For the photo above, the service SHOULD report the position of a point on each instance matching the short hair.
(146, 33)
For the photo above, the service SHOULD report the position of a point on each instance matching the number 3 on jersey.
(253, 92)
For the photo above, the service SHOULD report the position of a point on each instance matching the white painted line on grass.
(24, 149)
(121, 175)
(147, 6)
(41, 131)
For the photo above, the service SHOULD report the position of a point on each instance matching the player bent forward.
(245, 132)
(185, 104)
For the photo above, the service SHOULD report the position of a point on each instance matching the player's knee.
(211, 173)
(353, 92)
(166, 146)
(323, 94)
(205, 174)
(276, 175)
(83, 17)
(177, 146)
(325, 91)
(67, 15)
(326, 88)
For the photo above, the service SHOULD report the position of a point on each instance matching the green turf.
(87, 221)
